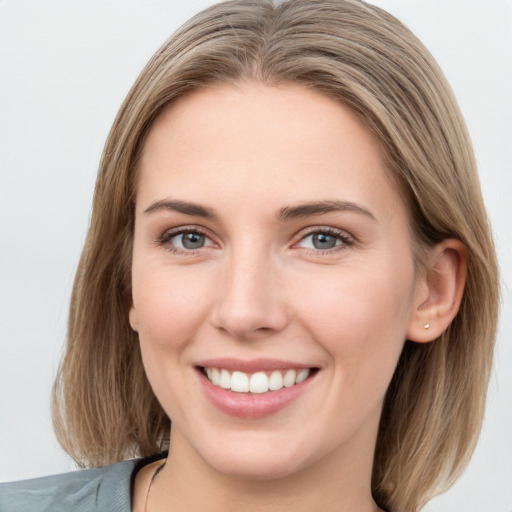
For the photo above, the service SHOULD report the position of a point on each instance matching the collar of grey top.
(88, 490)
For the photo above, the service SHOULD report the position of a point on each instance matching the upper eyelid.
(186, 229)
(324, 229)
(172, 232)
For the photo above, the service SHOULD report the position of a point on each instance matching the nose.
(250, 300)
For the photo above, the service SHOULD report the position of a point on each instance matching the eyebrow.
(184, 207)
(286, 213)
(321, 207)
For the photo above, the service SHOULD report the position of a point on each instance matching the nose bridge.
(249, 301)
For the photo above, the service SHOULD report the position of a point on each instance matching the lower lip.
(247, 405)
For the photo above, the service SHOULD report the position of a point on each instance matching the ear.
(439, 291)
(132, 316)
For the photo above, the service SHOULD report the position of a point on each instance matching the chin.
(259, 468)
(254, 460)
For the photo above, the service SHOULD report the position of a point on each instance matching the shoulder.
(88, 490)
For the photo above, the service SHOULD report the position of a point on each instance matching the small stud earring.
(427, 325)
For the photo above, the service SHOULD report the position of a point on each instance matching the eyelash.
(345, 239)
(165, 239)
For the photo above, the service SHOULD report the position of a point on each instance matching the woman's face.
(270, 246)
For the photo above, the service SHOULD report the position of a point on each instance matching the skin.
(260, 288)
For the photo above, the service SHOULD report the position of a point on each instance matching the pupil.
(193, 240)
(323, 241)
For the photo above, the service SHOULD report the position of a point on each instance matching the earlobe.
(441, 292)
(132, 316)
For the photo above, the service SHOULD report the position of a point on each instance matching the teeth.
(276, 381)
(302, 375)
(239, 382)
(259, 382)
(289, 378)
(225, 379)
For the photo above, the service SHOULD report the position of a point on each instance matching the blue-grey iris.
(324, 241)
(192, 240)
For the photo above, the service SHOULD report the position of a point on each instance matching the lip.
(253, 365)
(248, 405)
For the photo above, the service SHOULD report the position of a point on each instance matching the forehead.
(284, 140)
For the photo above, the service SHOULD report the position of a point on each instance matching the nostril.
(249, 304)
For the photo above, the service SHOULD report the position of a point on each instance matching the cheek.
(170, 308)
(170, 305)
(361, 320)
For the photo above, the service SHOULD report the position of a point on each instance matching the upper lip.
(253, 365)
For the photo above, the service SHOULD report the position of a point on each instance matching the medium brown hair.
(358, 54)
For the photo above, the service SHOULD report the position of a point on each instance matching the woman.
(288, 194)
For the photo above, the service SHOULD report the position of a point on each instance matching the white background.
(65, 67)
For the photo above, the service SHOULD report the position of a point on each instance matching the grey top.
(105, 489)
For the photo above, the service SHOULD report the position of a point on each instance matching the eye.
(325, 240)
(186, 240)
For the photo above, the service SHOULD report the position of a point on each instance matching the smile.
(258, 382)
(257, 388)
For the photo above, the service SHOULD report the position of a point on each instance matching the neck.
(187, 483)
